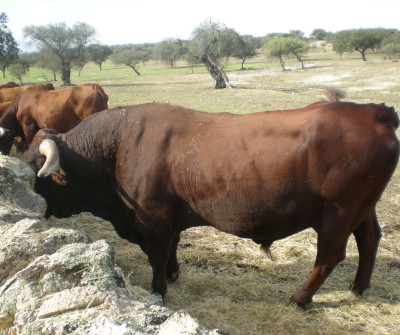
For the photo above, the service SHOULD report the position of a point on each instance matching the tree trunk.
(66, 74)
(282, 62)
(362, 52)
(133, 68)
(218, 74)
(54, 75)
(301, 60)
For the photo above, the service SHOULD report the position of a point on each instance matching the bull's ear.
(59, 178)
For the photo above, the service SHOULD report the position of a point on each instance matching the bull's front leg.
(158, 241)
(173, 265)
(367, 237)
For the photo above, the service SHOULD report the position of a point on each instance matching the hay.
(229, 283)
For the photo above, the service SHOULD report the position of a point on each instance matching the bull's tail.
(332, 94)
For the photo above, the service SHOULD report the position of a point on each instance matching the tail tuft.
(332, 94)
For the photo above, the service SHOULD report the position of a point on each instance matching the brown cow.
(155, 170)
(9, 94)
(60, 110)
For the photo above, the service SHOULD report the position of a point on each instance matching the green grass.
(261, 86)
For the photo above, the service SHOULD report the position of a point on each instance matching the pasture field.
(227, 282)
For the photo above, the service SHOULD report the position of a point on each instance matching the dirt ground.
(227, 282)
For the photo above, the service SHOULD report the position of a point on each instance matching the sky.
(150, 21)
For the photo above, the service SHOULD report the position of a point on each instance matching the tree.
(340, 42)
(169, 51)
(391, 46)
(67, 43)
(275, 47)
(246, 49)
(363, 39)
(49, 60)
(192, 58)
(27, 60)
(298, 48)
(131, 56)
(360, 40)
(81, 61)
(99, 53)
(8, 45)
(210, 42)
(320, 35)
(286, 45)
(17, 71)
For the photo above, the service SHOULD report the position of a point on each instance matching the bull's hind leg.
(332, 241)
(367, 237)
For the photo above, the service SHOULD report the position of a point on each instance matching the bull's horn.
(2, 132)
(48, 148)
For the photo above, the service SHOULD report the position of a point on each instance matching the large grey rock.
(22, 242)
(17, 198)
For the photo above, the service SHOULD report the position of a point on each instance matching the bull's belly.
(255, 220)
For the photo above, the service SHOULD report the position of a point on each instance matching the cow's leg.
(173, 265)
(331, 249)
(367, 237)
(158, 251)
(157, 241)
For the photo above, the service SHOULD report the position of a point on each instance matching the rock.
(16, 191)
(22, 242)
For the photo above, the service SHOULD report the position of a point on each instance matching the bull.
(155, 170)
(59, 110)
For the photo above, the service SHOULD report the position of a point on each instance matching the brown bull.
(59, 110)
(9, 94)
(155, 170)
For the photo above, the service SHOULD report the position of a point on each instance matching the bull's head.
(44, 146)
(6, 141)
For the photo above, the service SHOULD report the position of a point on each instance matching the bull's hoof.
(299, 302)
(173, 276)
(357, 290)
(156, 299)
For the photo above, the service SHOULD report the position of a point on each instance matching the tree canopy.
(279, 46)
(169, 51)
(98, 54)
(8, 45)
(391, 46)
(67, 43)
(212, 41)
(359, 40)
(131, 56)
